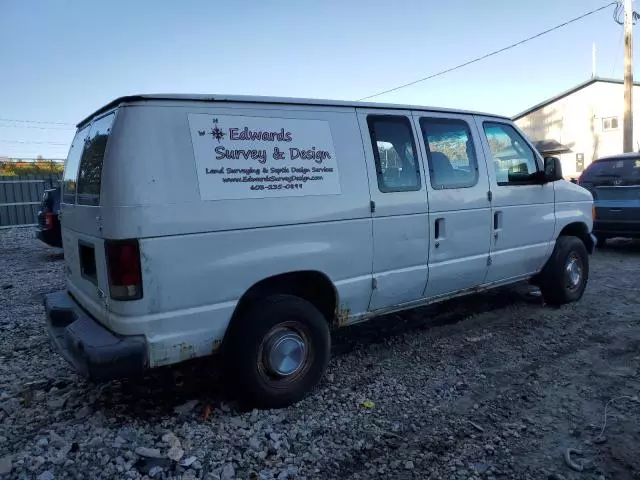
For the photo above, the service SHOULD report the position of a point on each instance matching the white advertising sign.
(258, 157)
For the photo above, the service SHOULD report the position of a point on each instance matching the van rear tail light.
(124, 269)
(48, 220)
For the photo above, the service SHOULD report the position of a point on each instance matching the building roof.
(272, 100)
(566, 93)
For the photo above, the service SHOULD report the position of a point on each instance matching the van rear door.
(81, 217)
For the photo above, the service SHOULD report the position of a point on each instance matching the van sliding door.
(399, 207)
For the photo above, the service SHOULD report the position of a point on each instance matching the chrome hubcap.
(574, 271)
(285, 353)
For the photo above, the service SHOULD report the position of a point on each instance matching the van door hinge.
(489, 261)
(374, 283)
(489, 195)
(372, 206)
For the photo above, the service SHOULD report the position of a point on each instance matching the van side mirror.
(552, 169)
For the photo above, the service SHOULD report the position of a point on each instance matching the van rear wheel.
(276, 351)
(564, 277)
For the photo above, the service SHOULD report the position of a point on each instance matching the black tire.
(247, 343)
(601, 241)
(556, 283)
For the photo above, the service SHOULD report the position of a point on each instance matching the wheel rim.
(574, 271)
(285, 354)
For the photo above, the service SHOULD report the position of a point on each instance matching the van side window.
(512, 156)
(90, 174)
(395, 153)
(71, 166)
(451, 153)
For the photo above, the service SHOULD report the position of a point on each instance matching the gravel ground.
(492, 386)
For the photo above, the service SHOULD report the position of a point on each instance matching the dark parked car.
(615, 185)
(48, 229)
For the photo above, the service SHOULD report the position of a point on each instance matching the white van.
(254, 226)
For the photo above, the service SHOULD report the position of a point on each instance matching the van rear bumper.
(95, 352)
(617, 228)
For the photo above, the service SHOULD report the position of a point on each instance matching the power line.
(618, 17)
(618, 14)
(60, 129)
(495, 52)
(29, 142)
(36, 122)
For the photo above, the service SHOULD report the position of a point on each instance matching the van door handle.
(438, 231)
(497, 223)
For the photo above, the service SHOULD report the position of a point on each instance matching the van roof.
(131, 99)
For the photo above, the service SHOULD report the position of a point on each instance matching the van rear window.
(613, 172)
(90, 172)
(71, 167)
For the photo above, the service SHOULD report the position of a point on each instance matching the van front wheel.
(564, 277)
(276, 351)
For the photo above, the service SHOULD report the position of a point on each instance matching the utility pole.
(627, 124)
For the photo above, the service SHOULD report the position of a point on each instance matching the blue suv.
(48, 229)
(614, 183)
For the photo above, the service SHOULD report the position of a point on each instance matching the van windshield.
(612, 172)
(90, 171)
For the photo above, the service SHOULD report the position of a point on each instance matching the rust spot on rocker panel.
(342, 315)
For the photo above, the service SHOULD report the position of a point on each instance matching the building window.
(609, 123)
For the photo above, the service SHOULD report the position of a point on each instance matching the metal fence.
(20, 198)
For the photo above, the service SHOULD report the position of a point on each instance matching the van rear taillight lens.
(124, 269)
(48, 220)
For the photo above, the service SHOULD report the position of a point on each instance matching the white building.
(581, 124)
